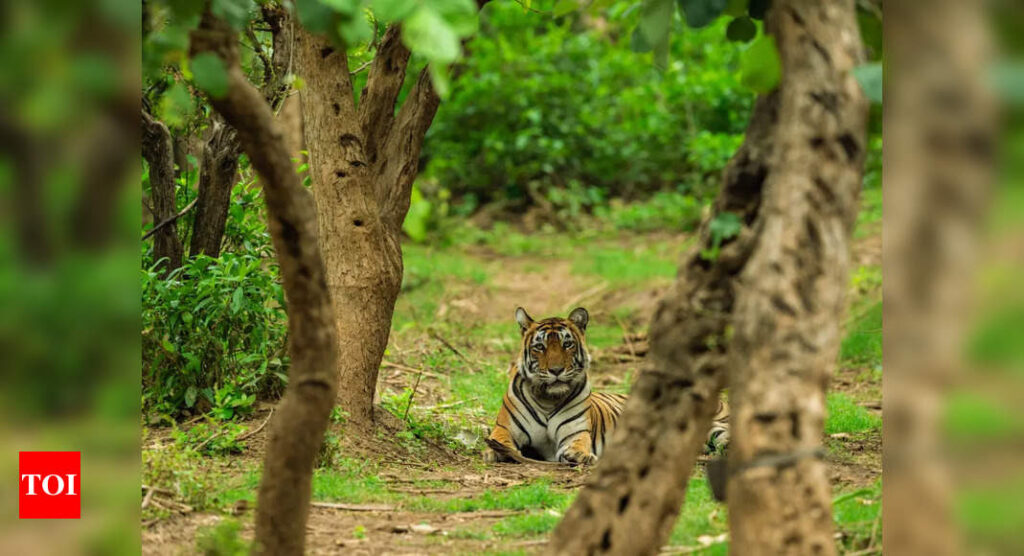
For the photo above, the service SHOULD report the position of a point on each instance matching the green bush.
(213, 335)
(557, 111)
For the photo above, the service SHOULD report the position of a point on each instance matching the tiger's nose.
(555, 371)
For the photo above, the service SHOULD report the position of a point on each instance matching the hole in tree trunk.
(340, 173)
(357, 222)
(606, 540)
(623, 502)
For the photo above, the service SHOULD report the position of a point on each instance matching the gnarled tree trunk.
(217, 172)
(158, 151)
(791, 293)
(737, 320)
(633, 497)
(302, 416)
(362, 162)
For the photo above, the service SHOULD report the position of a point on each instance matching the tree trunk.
(302, 416)
(362, 163)
(217, 173)
(633, 497)
(940, 142)
(158, 151)
(791, 294)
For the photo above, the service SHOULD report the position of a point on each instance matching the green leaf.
(185, 9)
(637, 42)
(176, 105)
(462, 16)
(190, 396)
(236, 299)
(757, 8)
(355, 29)
(736, 8)
(315, 16)
(656, 23)
(345, 7)
(439, 77)
(416, 220)
(235, 12)
(393, 10)
(870, 78)
(428, 34)
(563, 7)
(210, 74)
(725, 225)
(760, 67)
(741, 29)
(701, 13)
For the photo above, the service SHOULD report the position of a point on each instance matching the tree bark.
(302, 416)
(716, 321)
(362, 162)
(217, 173)
(940, 139)
(158, 150)
(791, 293)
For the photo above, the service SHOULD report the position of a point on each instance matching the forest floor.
(419, 485)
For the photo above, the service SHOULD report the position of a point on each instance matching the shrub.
(213, 335)
(551, 109)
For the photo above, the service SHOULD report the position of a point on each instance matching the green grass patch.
(535, 495)
(701, 515)
(349, 480)
(625, 267)
(527, 525)
(863, 342)
(482, 389)
(869, 219)
(844, 415)
(856, 515)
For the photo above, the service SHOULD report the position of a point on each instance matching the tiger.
(549, 411)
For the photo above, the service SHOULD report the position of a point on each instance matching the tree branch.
(402, 147)
(302, 417)
(167, 221)
(377, 103)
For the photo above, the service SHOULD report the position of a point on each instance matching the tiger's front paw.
(579, 458)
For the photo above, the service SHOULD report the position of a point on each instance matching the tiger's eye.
(567, 345)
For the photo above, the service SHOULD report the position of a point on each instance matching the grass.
(535, 495)
(846, 416)
(863, 342)
(527, 525)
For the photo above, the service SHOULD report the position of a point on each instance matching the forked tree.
(762, 317)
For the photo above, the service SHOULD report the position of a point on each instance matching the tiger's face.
(554, 358)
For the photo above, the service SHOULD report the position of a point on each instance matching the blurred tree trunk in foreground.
(791, 293)
(766, 309)
(940, 143)
(302, 415)
(362, 162)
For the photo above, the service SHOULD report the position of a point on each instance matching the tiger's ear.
(580, 317)
(523, 319)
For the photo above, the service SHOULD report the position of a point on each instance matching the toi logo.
(49, 485)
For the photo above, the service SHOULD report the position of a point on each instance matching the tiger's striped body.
(549, 411)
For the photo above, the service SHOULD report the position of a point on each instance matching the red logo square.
(49, 485)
